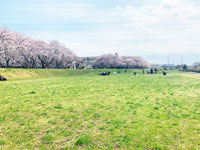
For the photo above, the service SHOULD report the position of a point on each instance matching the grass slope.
(76, 109)
(22, 74)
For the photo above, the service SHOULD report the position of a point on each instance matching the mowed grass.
(76, 109)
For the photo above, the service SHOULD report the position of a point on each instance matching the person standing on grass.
(156, 71)
(151, 71)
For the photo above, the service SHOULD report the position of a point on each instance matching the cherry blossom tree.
(134, 62)
(17, 50)
(64, 57)
(28, 54)
(114, 61)
(7, 48)
(108, 61)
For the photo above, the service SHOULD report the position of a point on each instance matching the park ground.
(77, 109)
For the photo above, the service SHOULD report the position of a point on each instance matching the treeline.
(114, 61)
(19, 51)
(193, 69)
(16, 50)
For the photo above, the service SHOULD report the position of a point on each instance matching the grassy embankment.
(76, 109)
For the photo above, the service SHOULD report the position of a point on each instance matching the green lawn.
(76, 109)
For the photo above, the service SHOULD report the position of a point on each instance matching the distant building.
(196, 64)
(179, 67)
(155, 66)
(168, 66)
(74, 66)
(88, 62)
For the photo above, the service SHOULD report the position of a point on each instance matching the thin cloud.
(159, 27)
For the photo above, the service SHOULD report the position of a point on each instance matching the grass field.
(76, 109)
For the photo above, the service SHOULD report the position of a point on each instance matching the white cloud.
(175, 22)
(165, 27)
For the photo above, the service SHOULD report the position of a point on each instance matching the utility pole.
(168, 61)
(182, 60)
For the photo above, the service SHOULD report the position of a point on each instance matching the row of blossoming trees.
(17, 50)
(114, 61)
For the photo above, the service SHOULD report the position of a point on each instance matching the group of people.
(151, 71)
(155, 71)
(106, 73)
(2, 78)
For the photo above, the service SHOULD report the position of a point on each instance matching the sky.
(152, 29)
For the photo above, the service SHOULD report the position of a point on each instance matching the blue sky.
(153, 29)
